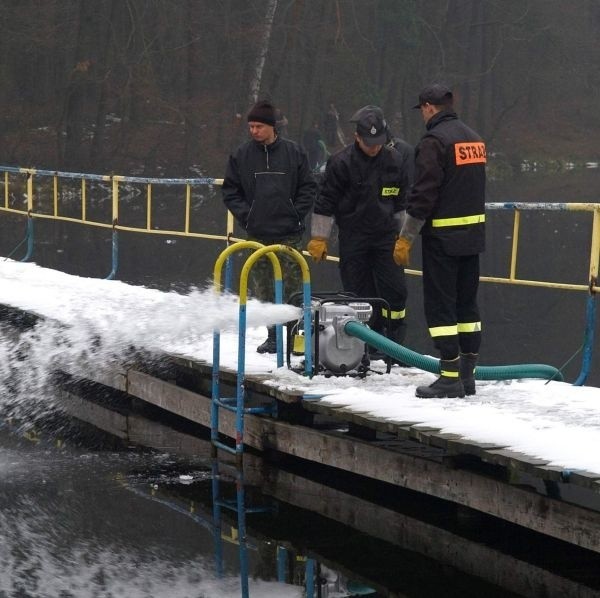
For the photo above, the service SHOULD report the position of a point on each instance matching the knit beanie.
(262, 112)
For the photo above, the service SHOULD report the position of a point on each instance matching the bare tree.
(261, 55)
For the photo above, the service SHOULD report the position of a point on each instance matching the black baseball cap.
(370, 125)
(435, 94)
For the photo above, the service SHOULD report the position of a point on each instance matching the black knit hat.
(262, 112)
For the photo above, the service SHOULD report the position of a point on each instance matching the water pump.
(338, 352)
(335, 352)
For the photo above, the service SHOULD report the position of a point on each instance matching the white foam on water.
(89, 324)
(37, 565)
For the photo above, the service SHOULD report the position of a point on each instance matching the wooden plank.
(444, 440)
(453, 444)
(469, 447)
(551, 473)
(133, 428)
(514, 460)
(422, 433)
(586, 479)
(561, 520)
(254, 383)
(189, 405)
(113, 379)
(145, 432)
(104, 419)
(488, 452)
(323, 409)
(565, 521)
(168, 396)
(380, 424)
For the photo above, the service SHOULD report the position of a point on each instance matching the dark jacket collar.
(270, 147)
(439, 117)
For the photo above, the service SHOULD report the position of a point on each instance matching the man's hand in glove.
(411, 227)
(317, 249)
(402, 251)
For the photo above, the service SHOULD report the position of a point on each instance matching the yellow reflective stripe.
(469, 326)
(394, 315)
(443, 330)
(449, 373)
(390, 191)
(460, 221)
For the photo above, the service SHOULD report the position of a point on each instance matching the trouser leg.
(467, 309)
(367, 269)
(440, 272)
(262, 281)
(261, 277)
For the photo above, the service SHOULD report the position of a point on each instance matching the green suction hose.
(430, 364)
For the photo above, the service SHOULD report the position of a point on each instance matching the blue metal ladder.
(237, 404)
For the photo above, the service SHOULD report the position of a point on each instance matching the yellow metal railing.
(117, 181)
(591, 285)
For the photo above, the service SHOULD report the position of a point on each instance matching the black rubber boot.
(447, 386)
(270, 345)
(468, 361)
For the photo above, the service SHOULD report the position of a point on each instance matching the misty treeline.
(163, 86)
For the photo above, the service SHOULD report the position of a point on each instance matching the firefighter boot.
(447, 386)
(468, 361)
(270, 345)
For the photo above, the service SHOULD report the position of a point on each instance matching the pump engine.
(339, 352)
(335, 352)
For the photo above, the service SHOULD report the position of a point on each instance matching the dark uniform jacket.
(408, 155)
(449, 186)
(269, 188)
(363, 193)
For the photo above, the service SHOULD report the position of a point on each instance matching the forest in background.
(162, 87)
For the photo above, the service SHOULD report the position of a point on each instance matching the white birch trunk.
(261, 56)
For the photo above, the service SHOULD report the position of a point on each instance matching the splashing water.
(31, 567)
(88, 324)
(67, 530)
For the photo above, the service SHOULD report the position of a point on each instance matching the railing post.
(590, 312)
(30, 238)
(115, 232)
(55, 195)
(515, 245)
(588, 340)
(114, 254)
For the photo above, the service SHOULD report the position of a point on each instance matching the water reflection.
(96, 517)
(77, 523)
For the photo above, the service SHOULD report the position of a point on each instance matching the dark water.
(86, 514)
(83, 514)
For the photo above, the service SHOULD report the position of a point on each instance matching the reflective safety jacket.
(363, 193)
(269, 188)
(449, 186)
